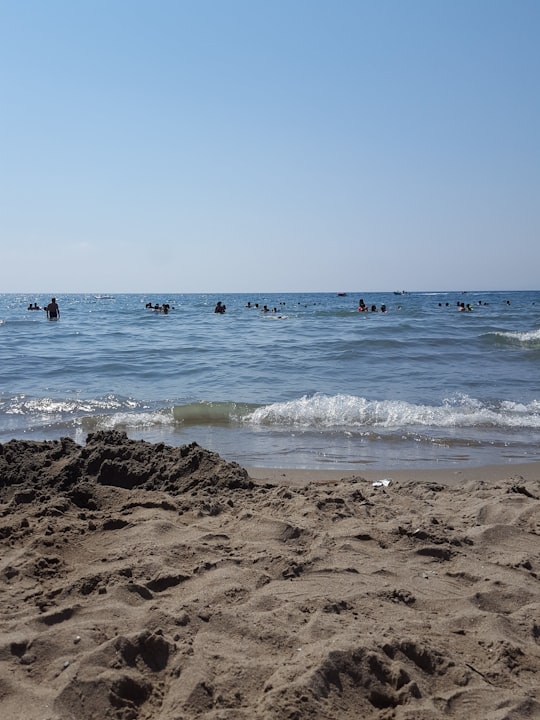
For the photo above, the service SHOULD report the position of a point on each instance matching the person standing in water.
(52, 310)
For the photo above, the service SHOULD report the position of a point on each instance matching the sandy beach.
(142, 581)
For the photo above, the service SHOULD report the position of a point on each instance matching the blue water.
(315, 384)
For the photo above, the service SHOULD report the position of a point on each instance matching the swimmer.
(52, 310)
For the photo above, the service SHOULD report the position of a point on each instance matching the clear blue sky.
(272, 146)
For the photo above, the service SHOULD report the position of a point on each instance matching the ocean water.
(313, 384)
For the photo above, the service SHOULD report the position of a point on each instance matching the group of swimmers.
(467, 307)
(159, 308)
(52, 309)
(264, 309)
(362, 307)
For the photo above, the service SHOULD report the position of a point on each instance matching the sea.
(311, 383)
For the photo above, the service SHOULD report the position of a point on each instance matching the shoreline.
(487, 473)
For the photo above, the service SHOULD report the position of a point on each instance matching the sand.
(141, 581)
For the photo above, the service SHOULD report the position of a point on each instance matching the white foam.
(347, 411)
(528, 337)
(134, 420)
(21, 405)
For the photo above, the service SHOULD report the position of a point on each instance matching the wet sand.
(139, 581)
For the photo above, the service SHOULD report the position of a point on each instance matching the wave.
(47, 406)
(128, 420)
(336, 412)
(530, 338)
(213, 413)
(339, 412)
(318, 412)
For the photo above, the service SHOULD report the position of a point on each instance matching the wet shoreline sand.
(140, 581)
(487, 473)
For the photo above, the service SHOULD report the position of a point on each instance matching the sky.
(269, 146)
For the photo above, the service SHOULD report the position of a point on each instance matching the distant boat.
(342, 294)
(400, 292)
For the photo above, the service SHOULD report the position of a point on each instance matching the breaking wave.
(530, 338)
(347, 411)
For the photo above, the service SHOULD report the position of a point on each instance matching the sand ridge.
(140, 581)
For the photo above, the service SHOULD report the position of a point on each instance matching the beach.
(143, 581)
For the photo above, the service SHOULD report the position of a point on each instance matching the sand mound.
(140, 581)
(110, 458)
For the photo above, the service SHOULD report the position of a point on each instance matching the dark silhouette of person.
(52, 310)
